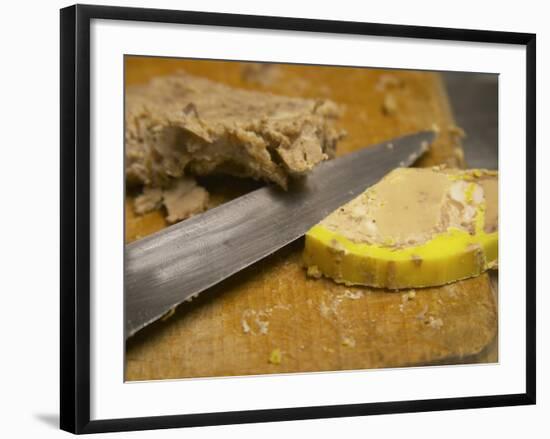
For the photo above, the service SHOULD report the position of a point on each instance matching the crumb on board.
(353, 295)
(263, 325)
(331, 307)
(348, 341)
(452, 291)
(150, 199)
(389, 106)
(258, 319)
(314, 272)
(422, 314)
(245, 325)
(324, 309)
(409, 295)
(328, 350)
(184, 199)
(435, 323)
(276, 356)
(281, 306)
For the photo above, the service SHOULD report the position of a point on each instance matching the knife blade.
(171, 266)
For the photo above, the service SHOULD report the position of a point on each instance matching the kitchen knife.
(177, 263)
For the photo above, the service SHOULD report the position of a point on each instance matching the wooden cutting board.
(317, 325)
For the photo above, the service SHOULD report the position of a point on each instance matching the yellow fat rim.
(445, 258)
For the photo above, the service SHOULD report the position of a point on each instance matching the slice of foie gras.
(416, 227)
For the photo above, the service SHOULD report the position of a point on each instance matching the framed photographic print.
(269, 218)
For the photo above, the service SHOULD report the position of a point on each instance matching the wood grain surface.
(316, 325)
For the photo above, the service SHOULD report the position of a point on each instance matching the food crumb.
(191, 297)
(255, 322)
(313, 271)
(349, 342)
(169, 314)
(329, 350)
(263, 325)
(422, 314)
(276, 356)
(389, 106)
(435, 323)
(353, 295)
(324, 309)
(410, 295)
(285, 306)
(245, 325)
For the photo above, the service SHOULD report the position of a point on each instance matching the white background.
(29, 220)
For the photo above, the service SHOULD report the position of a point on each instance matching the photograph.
(278, 218)
(296, 218)
(266, 220)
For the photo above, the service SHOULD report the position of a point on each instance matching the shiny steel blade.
(168, 267)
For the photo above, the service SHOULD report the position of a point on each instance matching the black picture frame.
(75, 217)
